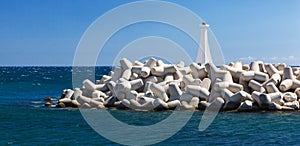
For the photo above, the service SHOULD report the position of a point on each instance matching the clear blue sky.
(46, 32)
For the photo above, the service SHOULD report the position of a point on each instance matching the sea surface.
(25, 121)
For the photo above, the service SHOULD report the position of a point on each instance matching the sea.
(24, 120)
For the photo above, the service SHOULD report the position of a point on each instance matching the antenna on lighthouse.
(204, 50)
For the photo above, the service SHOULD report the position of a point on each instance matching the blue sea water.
(24, 121)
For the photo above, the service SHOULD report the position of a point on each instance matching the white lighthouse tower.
(204, 50)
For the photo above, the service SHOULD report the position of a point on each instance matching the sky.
(47, 32)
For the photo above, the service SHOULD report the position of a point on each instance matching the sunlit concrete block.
(85, 105)
(89, 85)
(286, 85)
(125, 64)
(198, 91)
(151, 62)
(238, 65)
(247, 75)
(126, 74)
(186, 97)
(87, 93)
(159, 104)
(144, 99)
(159, 91)
(169, 77)
(147, 87)
(296, 84)
(213, 95)
(152, 79)
(111, 85)
(137, 63)
(136, 84)
(132, 95)
(255, 95)
(118, 71)
(180, 64)
(97, 94)
(233, 71)
(194, 102)
(186, 106)
(246, 67)
(215, 73)
(254, 66)
(136, 69)
(158, 71)
(122, 89)
(135, 105)
(126, 103)
(239, 97)
(134, 76)
(147, 106)
(170, 69)
(104, 79)
(160, 63)
(198, 71)
(91, 102)
(123, 86)
(66, 101)
(77, 93)
(275, 78)
(256, 86)
(289, 96)
(262, 67)
(175, 92)
(271, 69)
(233, 87)
(226, 94)
(101, 87)
(206, 82)
(187, 80)
(276, 97)
(297, 92)
(260, 76)
(178, 75)
(218, 102)
(246, 106)
(69, 93)
(174, 104)
(271, 88)
(245, 85)
(280, 66)
(287, 73)
(145, 72)
(292, 104)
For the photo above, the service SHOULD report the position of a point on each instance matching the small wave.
(37, 102)
(47, 78)
(36, 84)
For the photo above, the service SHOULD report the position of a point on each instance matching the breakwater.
(154, 85)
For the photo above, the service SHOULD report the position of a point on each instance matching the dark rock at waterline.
(48, 99)
(48, 104)
(61, 105)
(230, 105)
(110, 102)
(202, 105)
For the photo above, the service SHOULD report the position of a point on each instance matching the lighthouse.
(204, 50)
